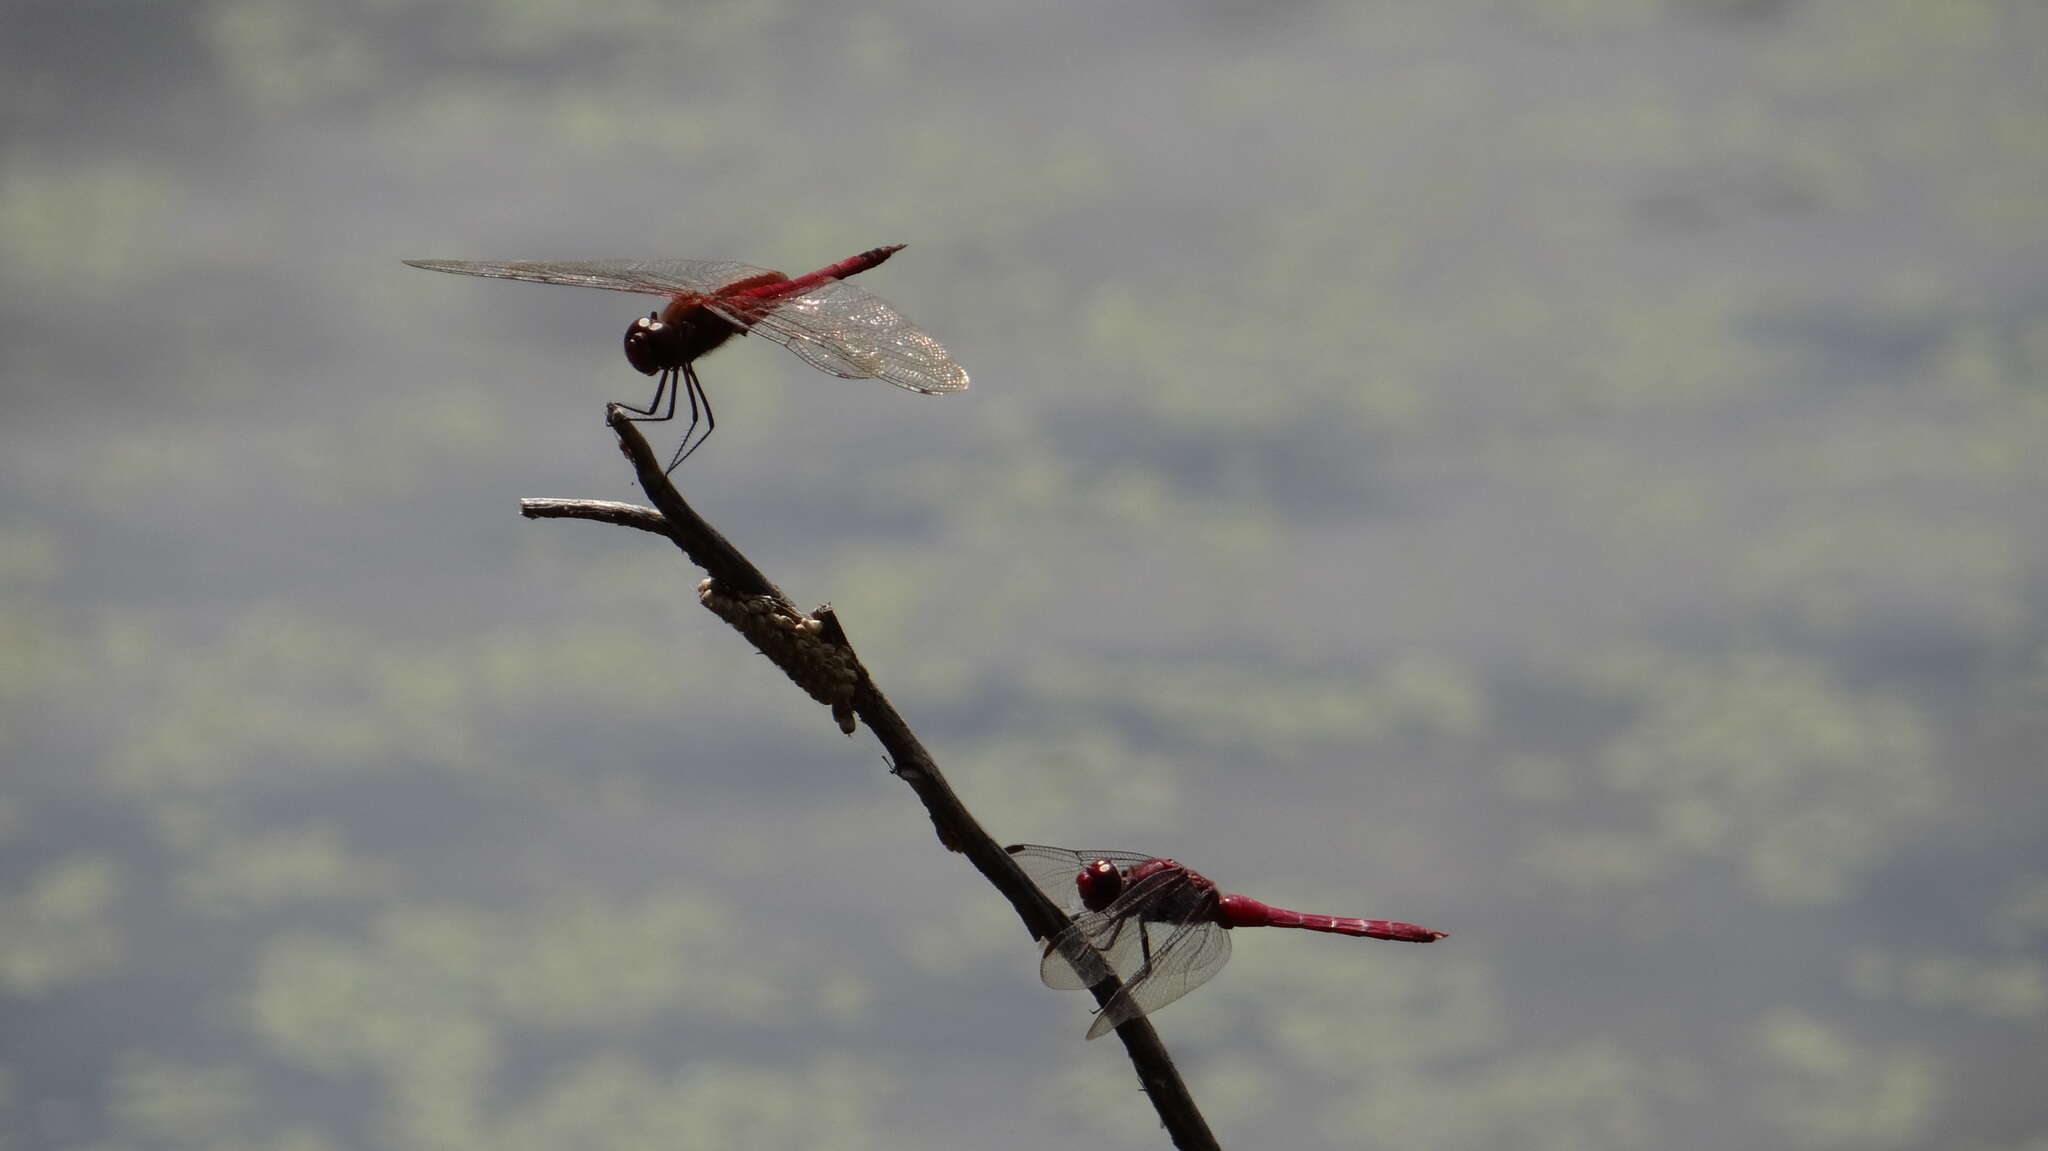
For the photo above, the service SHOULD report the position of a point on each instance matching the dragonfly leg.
(696, 389)
(661, 388)
(688, 387)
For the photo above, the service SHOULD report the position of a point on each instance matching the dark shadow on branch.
(812, 649)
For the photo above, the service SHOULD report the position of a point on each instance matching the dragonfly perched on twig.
(1164, 929)
(836, 327)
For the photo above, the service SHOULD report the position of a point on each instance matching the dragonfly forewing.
(648, 277)
(854, 334)
(1117, 944)
(1185, 960)
(1053, 868)
(1072, 962)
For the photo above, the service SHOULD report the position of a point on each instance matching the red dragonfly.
(1163, 929)
(833, 325)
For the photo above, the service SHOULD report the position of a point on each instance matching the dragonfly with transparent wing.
(1163, 928)
(836, 327)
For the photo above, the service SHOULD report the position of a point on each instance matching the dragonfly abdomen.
(1244, 911)
(851, 266)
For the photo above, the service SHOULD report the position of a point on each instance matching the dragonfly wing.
(650, 277)
(1190, 958)
(1057, 970)
(1117, 944)
(1054, 869)
(851, 333)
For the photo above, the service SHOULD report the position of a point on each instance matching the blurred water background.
(1567, 472)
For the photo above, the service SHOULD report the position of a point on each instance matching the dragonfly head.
(645, 341)
(1100, 883)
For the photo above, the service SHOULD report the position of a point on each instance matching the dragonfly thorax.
(1175, 894)
(660, 342)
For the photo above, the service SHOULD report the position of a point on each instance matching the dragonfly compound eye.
(1100, 883)
(644, 341)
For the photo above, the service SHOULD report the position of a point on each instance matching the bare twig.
(603, 511)
(813, 651)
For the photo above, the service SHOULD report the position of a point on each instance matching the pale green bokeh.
(285, 57)
(157, 1101)
(1417, 1052)
(277, 869)
(1589, 1094)
(1050, 780)
(1828, 1090)
(1760, 761)
(1234, 1087)
(287, 694)
(62, 926)
(434, 1000)
(1095, 1095)
(829, 1102)
(2011, 989)
(966, 939)
(86, 228)
(1342, 1012)
(2022, 917)
(569, 963)
(37, 664)
(377, 453)
(1279, 711)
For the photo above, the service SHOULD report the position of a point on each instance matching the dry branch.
(812, 649)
